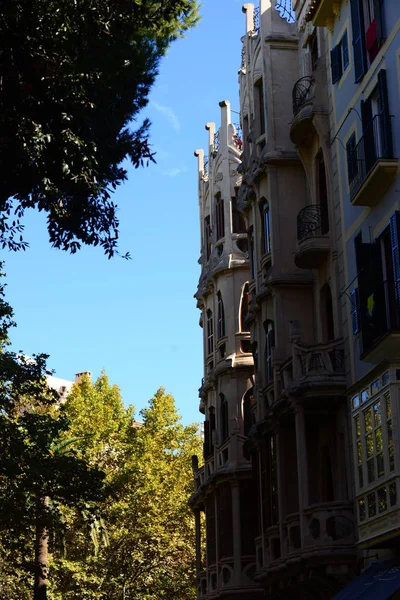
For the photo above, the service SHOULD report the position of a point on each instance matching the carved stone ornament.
(245, 194)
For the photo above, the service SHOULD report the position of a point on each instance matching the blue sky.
(138, 319)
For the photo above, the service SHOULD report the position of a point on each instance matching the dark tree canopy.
(73, 77)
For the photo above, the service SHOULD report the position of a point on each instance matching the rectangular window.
(313, 47)
(352, 162)
(207, 237)
(260, 106)
(340, 58)
(219, 216)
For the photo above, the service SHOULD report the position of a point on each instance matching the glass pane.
(369, 442)
(377, 414)
(375, 386)
(388, 406)
(371, 505)
(357, 425)
(391, 458)
(390, 432)
(380, 465)
(378, 439)
(371, 470)
(360, 476)
(368, 420)
(356, 401)
(386, 378)
(382, 501)
(392, 493)
(361, 509)
(359, 452)
(365, 395)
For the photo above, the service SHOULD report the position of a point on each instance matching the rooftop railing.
(303, 92)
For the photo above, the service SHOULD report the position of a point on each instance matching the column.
(198, 540)
(302, 467)
(237, 543)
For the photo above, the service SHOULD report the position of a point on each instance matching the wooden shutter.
(352, 164)
(395, 243)
(336, 63)
(345, 51)
(380, 23)
(357, 20)
(386, 125)
(354, 311)
(369, 149)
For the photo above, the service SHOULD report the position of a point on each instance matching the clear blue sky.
(138, 319)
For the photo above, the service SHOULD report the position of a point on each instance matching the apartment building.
(224, 489)
(363, 43)
(317, 191)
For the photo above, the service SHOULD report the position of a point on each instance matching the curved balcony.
(302, 97)
(313, 243)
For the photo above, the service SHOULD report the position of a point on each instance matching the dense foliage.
(73, 78)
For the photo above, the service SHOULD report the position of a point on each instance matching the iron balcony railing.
(376, 143)
(216, 141)
(312, 221)
(303, 91)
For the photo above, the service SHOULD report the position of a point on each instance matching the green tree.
(74, 77)
(150, 554)
(39, 473)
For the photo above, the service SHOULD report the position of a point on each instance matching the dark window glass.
(210, 332)
(219, 217)
(244, 307)
(207, 237)
(221, 317)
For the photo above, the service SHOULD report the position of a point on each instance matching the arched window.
(210, 332)
(269, 344)
(248, 403)
(244, 307)
(207, 237)
(266, 227)
(219, 216)
(221, 317)
(238, 222)
(223, 418)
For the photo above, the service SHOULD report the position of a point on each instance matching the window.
(219, 216)
(210, 332)
(248, 403)
(260, 113)
(224, 423)
(221, 317)
(209, 432)
(252, 253)
(207, 237)
(244, 307)
(313, 49)
(266, 228)
(368, 28)
(269, 344)
(340, 58)
(238, 222)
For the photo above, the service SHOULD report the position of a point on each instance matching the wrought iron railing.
(256, 20)
(312, 221)
(376, 143)
(284, 7)
(237, 138)
(303, 91)
(320, 359)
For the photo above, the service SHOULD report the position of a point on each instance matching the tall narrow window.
(260, 106)
(238, 222)
(223, 413)
(221, 317)
(244, 307)
(210, 332)
(207, 237)
(248, 403)
(266, 228)
(326, 309)
(269, 344)
(219, 216)
(322, 192)
(252, 253)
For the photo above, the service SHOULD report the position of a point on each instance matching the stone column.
(237, 543)
(302, 467)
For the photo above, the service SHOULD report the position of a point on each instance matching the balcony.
(323, 12)
(330, 525)
(380, 324)
(313, 243)
(371, 165)
(303, 94)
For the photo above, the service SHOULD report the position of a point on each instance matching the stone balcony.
(313, 242)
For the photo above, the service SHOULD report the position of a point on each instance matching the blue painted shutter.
(354, 311)
(357, 21)
(345, 51)
(386, 124)
(369, 147)
(336, 64)
(395, 243)
(380, 22)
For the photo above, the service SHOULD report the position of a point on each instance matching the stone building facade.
(316, 187)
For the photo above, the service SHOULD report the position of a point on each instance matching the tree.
(39, 473)
(150, 553)
(74, 76)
